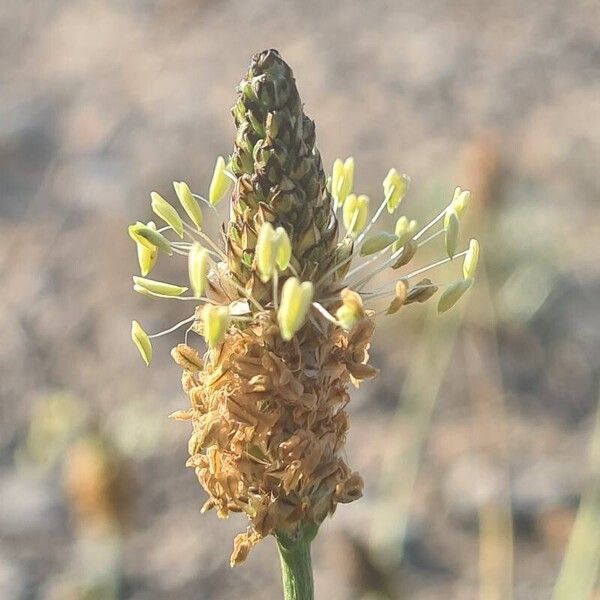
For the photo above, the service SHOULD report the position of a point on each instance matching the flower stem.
(296, 566)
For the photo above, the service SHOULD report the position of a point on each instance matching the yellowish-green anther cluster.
(292, 298)
(292, 294)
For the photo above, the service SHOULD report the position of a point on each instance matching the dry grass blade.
(580, 566)
(496, 544)
(400, 467)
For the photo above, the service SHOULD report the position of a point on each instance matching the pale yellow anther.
(142, 290)
(142, 342)
(215, 322)
(146, 255)
(148, 237)
(351, 309)
(337, 175)
(198, 265)
(452, 294)
(395, 187)
(188, 202)
(348, 182)
(283, 248)
(400, 293)
(377, 242)
(220, 183)
(167, 213)
(405, 230)
(355, 213)
(459, 204)
(471, 260)
(295, 302)
(461, 201)
(451, 228)
(133, 231)
(265, 252)
(159, 287)
(342, 179)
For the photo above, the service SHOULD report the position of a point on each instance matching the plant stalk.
(296, 566)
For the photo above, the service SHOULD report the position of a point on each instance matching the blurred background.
(482, 479)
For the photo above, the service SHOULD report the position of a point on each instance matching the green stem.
(296, 566)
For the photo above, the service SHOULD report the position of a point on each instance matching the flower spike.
(285, 303)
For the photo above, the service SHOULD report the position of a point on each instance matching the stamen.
(146, 292)
(352, 225)
(435, 264)
(203, 199)
(381, 293)
(185, 246)
(242, 291)
(316, 324)
(367, 262)
(392, 258)
(207, 239)
(372, 222)
(389, 260)
(430, 224)
(326, 313)
(431, 237)
(333, 269)
(171, 329)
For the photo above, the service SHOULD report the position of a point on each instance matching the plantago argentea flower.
(286, 316)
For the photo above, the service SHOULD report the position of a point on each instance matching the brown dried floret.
(269, 424)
